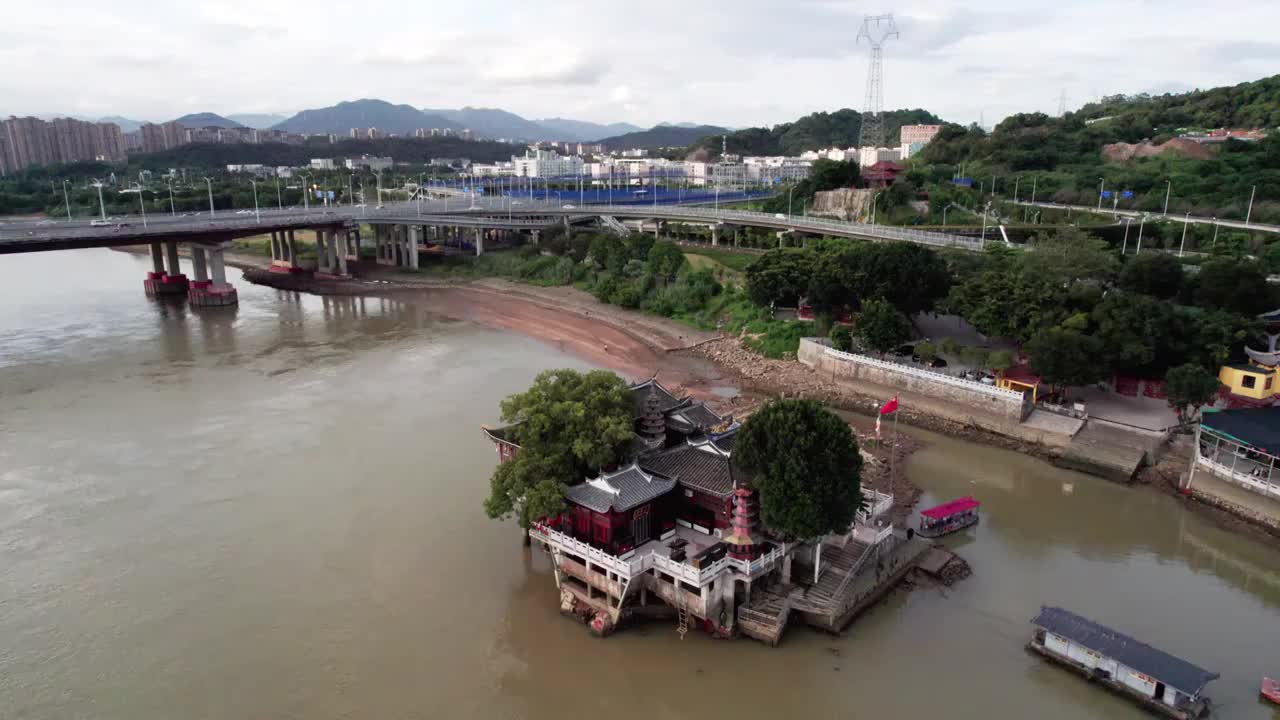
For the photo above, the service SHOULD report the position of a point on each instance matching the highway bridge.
(399, 230)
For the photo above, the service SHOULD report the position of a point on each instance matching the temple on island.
(674, 531)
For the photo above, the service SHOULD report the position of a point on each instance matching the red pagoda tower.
(742, 541)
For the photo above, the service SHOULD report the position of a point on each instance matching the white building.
(918, 133)
(775, 169)
(284, 171)
(546, 163)
(256, 169)
(869, 156)
(322, 164)
(501, 169)
(372, 162)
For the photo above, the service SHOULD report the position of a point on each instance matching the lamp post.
(257, 217)
(1101, 187)
(209, 185)
(984, 223)
(1215, 231)
(1125, 246)
(944, 214)
(102, 207)
(1141, 222)
(1016, 180)
(306, 190)
(66, 199)
(279, 197)
(142, 204)
(1168, 187)
(419, 195)
(789, 191)
(1248, 214)
(1185, 222)
(173, 211)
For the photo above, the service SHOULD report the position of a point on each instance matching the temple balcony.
(681, 553)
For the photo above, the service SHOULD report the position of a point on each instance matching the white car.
(568, 207)
(99, 223)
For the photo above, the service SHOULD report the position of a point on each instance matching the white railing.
(639, 564)
(921, 373)
(628, 568)
(874, 504)
(872, 535)
(1250, 481)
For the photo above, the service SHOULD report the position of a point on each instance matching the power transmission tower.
(876, 29)
(1062, 104)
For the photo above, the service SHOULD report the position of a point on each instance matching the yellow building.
(1251, 381)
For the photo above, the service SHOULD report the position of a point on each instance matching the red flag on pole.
(890, 406)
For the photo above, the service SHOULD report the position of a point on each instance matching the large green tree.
(568, 425)
(780, 276)
(1069, 255)
(881, 326)
(804, 461)
(1188, 387)
(1140, 335)
(1234, 285)
(1156, 274)
(1065, 357)
(665, 260)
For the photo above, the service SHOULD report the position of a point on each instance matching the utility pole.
(173, 212)
(1185, 222)
(876, 29)
(1101, 186)
(1016, 181)
(1125, 245)
(279, 198)
(1167, 189)
(256, 216)
(1141, 222)
(1249, 213)
(66, 199)
(142, 204)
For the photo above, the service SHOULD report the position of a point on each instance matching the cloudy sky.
(746, 62)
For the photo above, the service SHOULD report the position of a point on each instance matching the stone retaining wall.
(959, 400)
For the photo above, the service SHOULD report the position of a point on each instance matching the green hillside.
(813, 132)
(1064, 155)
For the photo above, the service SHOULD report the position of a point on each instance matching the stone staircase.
(765, 618)
(614, 226)
(842, 564)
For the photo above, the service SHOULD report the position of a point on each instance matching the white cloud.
(734, 63)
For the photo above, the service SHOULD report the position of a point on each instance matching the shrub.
(842, 338)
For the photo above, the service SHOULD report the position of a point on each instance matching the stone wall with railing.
(957, 399)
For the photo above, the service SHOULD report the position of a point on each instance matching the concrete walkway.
(1207, 483)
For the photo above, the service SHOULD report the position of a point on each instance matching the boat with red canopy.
(1271, 690)
(949, 517)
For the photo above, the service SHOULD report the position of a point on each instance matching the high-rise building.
(30, 141)
(164, 136)
(918, 133)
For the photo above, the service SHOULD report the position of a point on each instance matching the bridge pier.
(536, 235)
(283, 252)
(353, 243)
(211, 290)
(162, 282)
(413, 237)
(479, 242)
(715, 236)
(331, 260)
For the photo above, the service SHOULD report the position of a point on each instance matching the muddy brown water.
(275, 513)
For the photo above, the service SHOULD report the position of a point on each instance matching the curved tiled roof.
(621, 490)
(698, 464)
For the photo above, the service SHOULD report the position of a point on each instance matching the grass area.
(736, 261)
(761, 332)
(522, 265)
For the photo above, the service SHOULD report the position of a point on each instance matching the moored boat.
(1270, 690)
(948, 517)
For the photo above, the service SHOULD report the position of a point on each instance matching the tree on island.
(881, 326)
(1189, 387)
(1065, 357)
(568, 425)
(805, 464)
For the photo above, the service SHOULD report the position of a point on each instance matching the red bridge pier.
(159, 282)
(210, 288)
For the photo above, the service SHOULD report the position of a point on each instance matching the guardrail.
(921, 373)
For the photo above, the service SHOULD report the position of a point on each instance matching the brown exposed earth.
(1122, 152)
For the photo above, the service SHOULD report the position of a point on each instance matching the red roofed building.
(882, 174)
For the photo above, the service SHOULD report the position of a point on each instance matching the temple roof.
(505, 434)
(692, 418)
(698, 464)
(666, 401)
(621, 490)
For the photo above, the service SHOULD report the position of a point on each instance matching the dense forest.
(1063, 156)
(813, 132)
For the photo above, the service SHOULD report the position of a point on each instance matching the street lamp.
(1125, 245)
(209, 184)
(279, 198)
(1185, 222)
(1101, 186)
(1215, 231)
(142, 204)
(66, 199)
(1167, 189)
(257, 217)
(1249, 213)
(102, 207)
(173, 212)
(789, 191)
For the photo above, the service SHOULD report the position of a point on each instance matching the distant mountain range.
(339, 119)
(583, 131)
(259, 121)
(206, 119)
(662, 136)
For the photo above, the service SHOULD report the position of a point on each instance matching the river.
(274, 512)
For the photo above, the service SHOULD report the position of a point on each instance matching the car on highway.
(99, 223)
(47, 222)
(568, 207)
